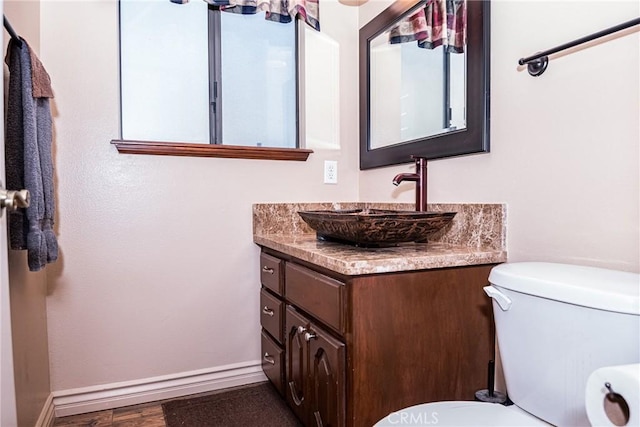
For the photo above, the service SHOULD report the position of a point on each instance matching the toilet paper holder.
(612, 395)
(616, 406)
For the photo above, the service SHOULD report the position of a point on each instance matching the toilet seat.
(460, 413)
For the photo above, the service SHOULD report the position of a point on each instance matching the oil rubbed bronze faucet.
(420, 178)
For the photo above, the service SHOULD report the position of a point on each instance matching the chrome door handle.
(13, 199)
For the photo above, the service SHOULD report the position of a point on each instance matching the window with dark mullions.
(236, 87)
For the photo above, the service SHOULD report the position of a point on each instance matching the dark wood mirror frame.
(475, 137)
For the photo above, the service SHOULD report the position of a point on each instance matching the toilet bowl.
(555, 325)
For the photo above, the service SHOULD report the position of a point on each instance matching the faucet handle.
(421, 163)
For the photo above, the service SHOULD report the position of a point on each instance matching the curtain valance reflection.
(439, 23)
(283, 11)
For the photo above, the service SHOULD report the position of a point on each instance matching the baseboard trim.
(117, 395)
(47, 416)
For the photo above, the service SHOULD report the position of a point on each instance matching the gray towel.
(28, 160)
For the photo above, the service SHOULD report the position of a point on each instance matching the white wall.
(158, 273)
(564, 146)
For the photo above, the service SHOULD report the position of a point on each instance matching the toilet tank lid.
(593, 287)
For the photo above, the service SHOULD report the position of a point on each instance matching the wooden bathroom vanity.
(350, 335)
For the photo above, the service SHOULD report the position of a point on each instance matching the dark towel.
(40, 80)
(28, 158)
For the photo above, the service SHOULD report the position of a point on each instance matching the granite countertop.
(477, 235)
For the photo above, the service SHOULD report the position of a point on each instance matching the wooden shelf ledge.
(210, 150)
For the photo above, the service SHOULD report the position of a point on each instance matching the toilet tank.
(557, 323)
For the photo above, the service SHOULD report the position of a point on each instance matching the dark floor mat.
(255, 405)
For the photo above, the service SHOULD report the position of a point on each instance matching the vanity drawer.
(271, 273)
(319, 295)
(271, 314)
(273, 362)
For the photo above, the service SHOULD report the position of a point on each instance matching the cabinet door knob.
(308, 336)
(268, 358)
(267, 269)
(302, 330)
(266, 310)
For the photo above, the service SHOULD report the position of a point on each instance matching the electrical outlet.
(330, 172)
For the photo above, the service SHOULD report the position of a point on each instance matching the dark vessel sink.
(375, 227)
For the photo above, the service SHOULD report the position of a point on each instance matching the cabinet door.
(296, 362)
(326, 395)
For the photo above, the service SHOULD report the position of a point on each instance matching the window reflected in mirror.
(415, 91)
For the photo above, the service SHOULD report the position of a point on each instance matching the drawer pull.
(302, 330)
(267, 269)
(266, 310)
(268, 358)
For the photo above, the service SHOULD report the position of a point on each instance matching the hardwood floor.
(143, 415)
(146, 415)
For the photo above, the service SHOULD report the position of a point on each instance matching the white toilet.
(555, 325)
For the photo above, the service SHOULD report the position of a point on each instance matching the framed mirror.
(422, 94)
